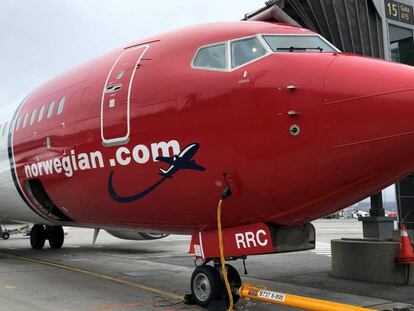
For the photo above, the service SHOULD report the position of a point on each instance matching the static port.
(294, 130)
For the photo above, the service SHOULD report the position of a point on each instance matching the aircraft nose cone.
(369, 106)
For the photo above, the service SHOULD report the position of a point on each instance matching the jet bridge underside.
(351, 25)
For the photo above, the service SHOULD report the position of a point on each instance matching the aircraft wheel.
(38, 237)
(56, 236)
(5, 235)
(206, 285)
(234, 279)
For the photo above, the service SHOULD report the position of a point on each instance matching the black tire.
(5, 235)
(234, 279)
(38, 237)
(56, 236)
(206, 285)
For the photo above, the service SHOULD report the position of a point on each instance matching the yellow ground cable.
(222, 258)
(101, 276)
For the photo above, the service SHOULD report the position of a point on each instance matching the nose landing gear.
(40, 233)
(207, 286)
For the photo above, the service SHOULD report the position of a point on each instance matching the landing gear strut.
(40, 233)
(207, 285)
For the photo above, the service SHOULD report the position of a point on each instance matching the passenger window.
(289, 43)
(245, 50)
(211, 57)
(25, 120)
(5, 129)
(18, 123)
(32, 117)
(61, 104)
(41, 111)
(50, 110)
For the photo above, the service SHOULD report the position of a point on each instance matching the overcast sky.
(42, 38)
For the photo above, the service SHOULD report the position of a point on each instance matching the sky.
(42, 38)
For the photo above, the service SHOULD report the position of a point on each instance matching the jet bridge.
(351, 25)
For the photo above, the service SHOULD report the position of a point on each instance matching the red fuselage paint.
(354, 115)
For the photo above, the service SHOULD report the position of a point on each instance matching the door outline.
(124, 139)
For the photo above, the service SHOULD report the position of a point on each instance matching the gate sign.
(399, 12)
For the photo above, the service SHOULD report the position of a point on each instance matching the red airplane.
(147, 138)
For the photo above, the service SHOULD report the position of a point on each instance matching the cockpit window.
(211, 57)
(245, 50)
(298, 43)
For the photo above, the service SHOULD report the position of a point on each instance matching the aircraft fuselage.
(296, 136)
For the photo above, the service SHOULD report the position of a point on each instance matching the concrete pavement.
(157, 273)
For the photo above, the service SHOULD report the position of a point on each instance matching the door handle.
(292, 87)
(113, 88)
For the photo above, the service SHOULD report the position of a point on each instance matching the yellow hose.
(222, 258)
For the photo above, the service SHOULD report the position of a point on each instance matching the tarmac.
(154, 275)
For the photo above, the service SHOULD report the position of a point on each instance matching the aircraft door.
(115, 104)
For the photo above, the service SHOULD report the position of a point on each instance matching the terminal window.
(401, 45)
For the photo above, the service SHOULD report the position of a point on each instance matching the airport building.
(377, 28)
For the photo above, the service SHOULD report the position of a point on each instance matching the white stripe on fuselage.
(12, 207)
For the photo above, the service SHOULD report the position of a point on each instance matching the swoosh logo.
(128, 199)
(182, 161)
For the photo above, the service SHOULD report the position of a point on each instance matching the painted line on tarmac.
(100, 276)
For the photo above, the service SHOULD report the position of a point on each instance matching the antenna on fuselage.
(95, 235)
